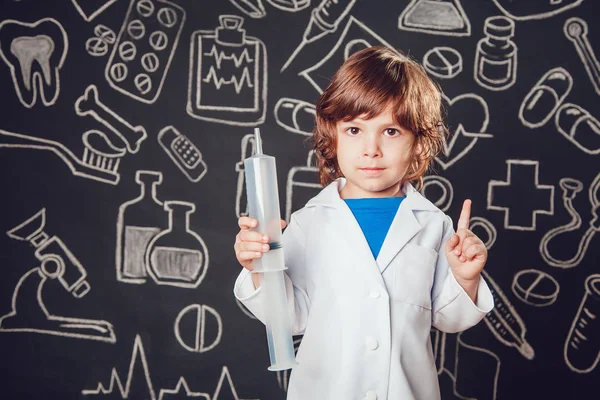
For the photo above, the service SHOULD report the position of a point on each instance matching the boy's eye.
(392, 132)
(353, 131)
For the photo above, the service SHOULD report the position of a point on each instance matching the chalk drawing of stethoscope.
(570, 189)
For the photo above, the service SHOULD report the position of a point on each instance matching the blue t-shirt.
(375, 215)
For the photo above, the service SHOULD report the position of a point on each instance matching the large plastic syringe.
(263, 205)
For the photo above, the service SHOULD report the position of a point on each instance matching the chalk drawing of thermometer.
(570, 189)
(576, 30)
(504, 321)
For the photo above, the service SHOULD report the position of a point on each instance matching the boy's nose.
(371, 146)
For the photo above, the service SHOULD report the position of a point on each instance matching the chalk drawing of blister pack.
(228, 75)
(354, 37)
(142, 55)
(35, 53)
(29, 313)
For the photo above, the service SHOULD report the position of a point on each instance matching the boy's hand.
(465, 252)
(249, 244)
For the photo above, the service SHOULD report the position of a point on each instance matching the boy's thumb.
(452, 243)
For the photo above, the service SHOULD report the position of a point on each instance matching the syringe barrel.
(263, 205)
(279, 329)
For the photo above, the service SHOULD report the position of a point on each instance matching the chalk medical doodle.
(496, 55)
(535, 9)
(100, 160)
(437, 17)
(576, 30)
(89, 104)
(35, 53)
(198, 313)
(227, 81)
(56, 262)
(570, 188)
(295, 115)
(579, 127)
(355, 36)
(91, 9)
(541, 197)
(324, 19)
(467, 133)
(302, 184)
(183, 152)
(142, 54)
(582, 347)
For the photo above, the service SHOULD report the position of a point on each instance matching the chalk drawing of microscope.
(570, 189)
(29, 314)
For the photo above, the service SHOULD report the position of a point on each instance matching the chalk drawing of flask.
(228, 75)
(139, 220)
(178, 256)
(582, 347)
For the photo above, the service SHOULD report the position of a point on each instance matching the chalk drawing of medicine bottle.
(178, 256)
(139, 220)
(228, 75)
(496, 56)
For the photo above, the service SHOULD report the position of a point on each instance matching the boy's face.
(374, 155)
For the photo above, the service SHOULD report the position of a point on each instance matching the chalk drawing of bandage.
(91, 9)
(228, 75)
(522, 182)
(35, 53)
(570, 188)
(142, 55)
(248, 149)
(191, 328)
(435, 17)
(354, 37)
(468, 131)
(582, 347)
(528, 10)
(576, 30)
(302, 185)
(100, 160)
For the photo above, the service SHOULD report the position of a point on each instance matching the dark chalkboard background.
(179, 332)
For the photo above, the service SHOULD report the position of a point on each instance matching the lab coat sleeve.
(297, 298)
(452, 308)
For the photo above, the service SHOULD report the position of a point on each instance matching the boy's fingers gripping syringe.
(250, 245)
(263, 206)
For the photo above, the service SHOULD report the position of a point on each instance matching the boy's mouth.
(371, 171)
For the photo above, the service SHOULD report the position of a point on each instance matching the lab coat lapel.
(347, 229)
(404, 226)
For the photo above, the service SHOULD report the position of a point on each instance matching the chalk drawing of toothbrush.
(96, 164)
(570, 189)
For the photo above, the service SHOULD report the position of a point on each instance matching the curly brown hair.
(365, 85)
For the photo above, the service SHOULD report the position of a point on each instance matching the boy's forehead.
(386, 116)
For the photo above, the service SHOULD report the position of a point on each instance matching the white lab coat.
(366, 322)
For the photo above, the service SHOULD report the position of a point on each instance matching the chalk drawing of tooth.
(35, 53)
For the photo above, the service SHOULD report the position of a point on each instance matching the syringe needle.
(294, 54)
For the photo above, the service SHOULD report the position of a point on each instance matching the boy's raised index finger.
(465, 215)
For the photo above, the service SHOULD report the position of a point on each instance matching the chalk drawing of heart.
(471, 112)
